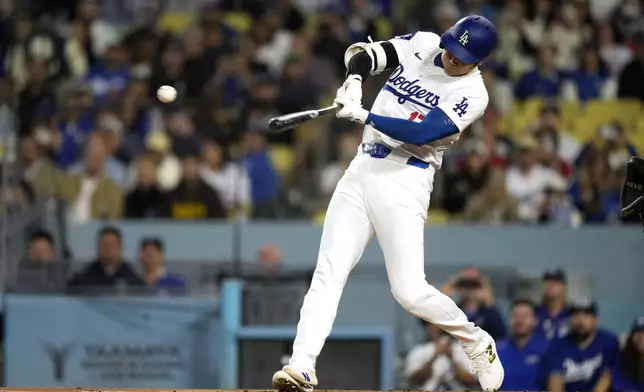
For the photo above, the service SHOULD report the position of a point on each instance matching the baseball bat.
(287, 121)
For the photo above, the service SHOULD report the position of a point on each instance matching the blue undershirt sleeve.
(436, 125)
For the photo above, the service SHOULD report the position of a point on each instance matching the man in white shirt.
(439, 363)
(527, 181)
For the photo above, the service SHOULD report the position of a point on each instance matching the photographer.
(476, 299)
(439, 362)
(632, 195)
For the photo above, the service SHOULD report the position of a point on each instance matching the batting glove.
(351, 89)
(351, 111)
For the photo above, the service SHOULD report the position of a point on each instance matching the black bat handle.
(287, 121)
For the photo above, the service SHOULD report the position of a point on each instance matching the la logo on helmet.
(464, 37)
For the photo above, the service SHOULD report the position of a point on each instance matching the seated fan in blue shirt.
(553, 313)
(582, 360)
(521, 353)
(628, 375)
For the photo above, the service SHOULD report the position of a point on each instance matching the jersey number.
(416, 116)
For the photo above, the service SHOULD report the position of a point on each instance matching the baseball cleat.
(290, 379)
(486, 365)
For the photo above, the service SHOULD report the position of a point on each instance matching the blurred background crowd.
(80, 124)
(79, 81)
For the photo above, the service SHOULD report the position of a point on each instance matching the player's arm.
(450, 117)
(371, 58)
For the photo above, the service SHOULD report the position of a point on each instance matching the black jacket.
(95, 276)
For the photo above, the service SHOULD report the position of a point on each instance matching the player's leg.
(398, 209)
(347, 230)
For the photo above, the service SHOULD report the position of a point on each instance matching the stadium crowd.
(91, 132)
(555, 345)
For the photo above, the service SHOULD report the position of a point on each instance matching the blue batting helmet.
(471, 39)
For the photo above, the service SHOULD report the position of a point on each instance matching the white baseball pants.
(387, 198)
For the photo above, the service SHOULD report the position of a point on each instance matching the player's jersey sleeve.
(409, 44)
(465, 103)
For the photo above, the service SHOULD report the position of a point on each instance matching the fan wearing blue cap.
(628, 375)
(553, 312)
(584, 358)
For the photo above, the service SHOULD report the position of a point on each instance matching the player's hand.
(351, 110)
(351, 89)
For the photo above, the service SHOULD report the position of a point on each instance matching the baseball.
(166, 94)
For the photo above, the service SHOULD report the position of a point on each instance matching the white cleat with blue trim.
(291, 379)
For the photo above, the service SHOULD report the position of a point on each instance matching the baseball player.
(434, 93)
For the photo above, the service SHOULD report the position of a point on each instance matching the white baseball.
(166, 94)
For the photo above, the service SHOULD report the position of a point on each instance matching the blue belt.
(380, 151)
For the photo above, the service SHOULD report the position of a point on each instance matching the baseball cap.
(154, 241)
(583, 305)
(638, 324)
(556, 274)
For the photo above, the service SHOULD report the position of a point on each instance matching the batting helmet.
(471, 39)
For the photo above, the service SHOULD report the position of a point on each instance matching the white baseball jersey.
(420, 84)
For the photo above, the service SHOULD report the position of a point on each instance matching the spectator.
(567, 34)
(41, 247)
(73, 125)
(263, 177)
(628, 375)
(558, 149)
(101, 33)
(273, 43)
(526, 181)
(269, 259)
(145, 200)
(114, 169)
(553, 313)
(184, 139)
(592, 191)
(228, 178)
(437, 363)
(471, 175)
(193, 198)
(45, 178)
(631, 80)
(558, 208)
(168, 166)
(521, 353)
(582, 360)
(477, 300)
(109, 268)
(542, 82)
(152, 259)
(591, 80)
(331, 39)
(36, 100)
(78, 52)
(296, 91)
(333, 172)
(539, 15)
(360, 21)
(613, 54)
(171, 70)
(626, 20)
(91, 194)
(109, 78)
(611, 141)
(492, 204)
